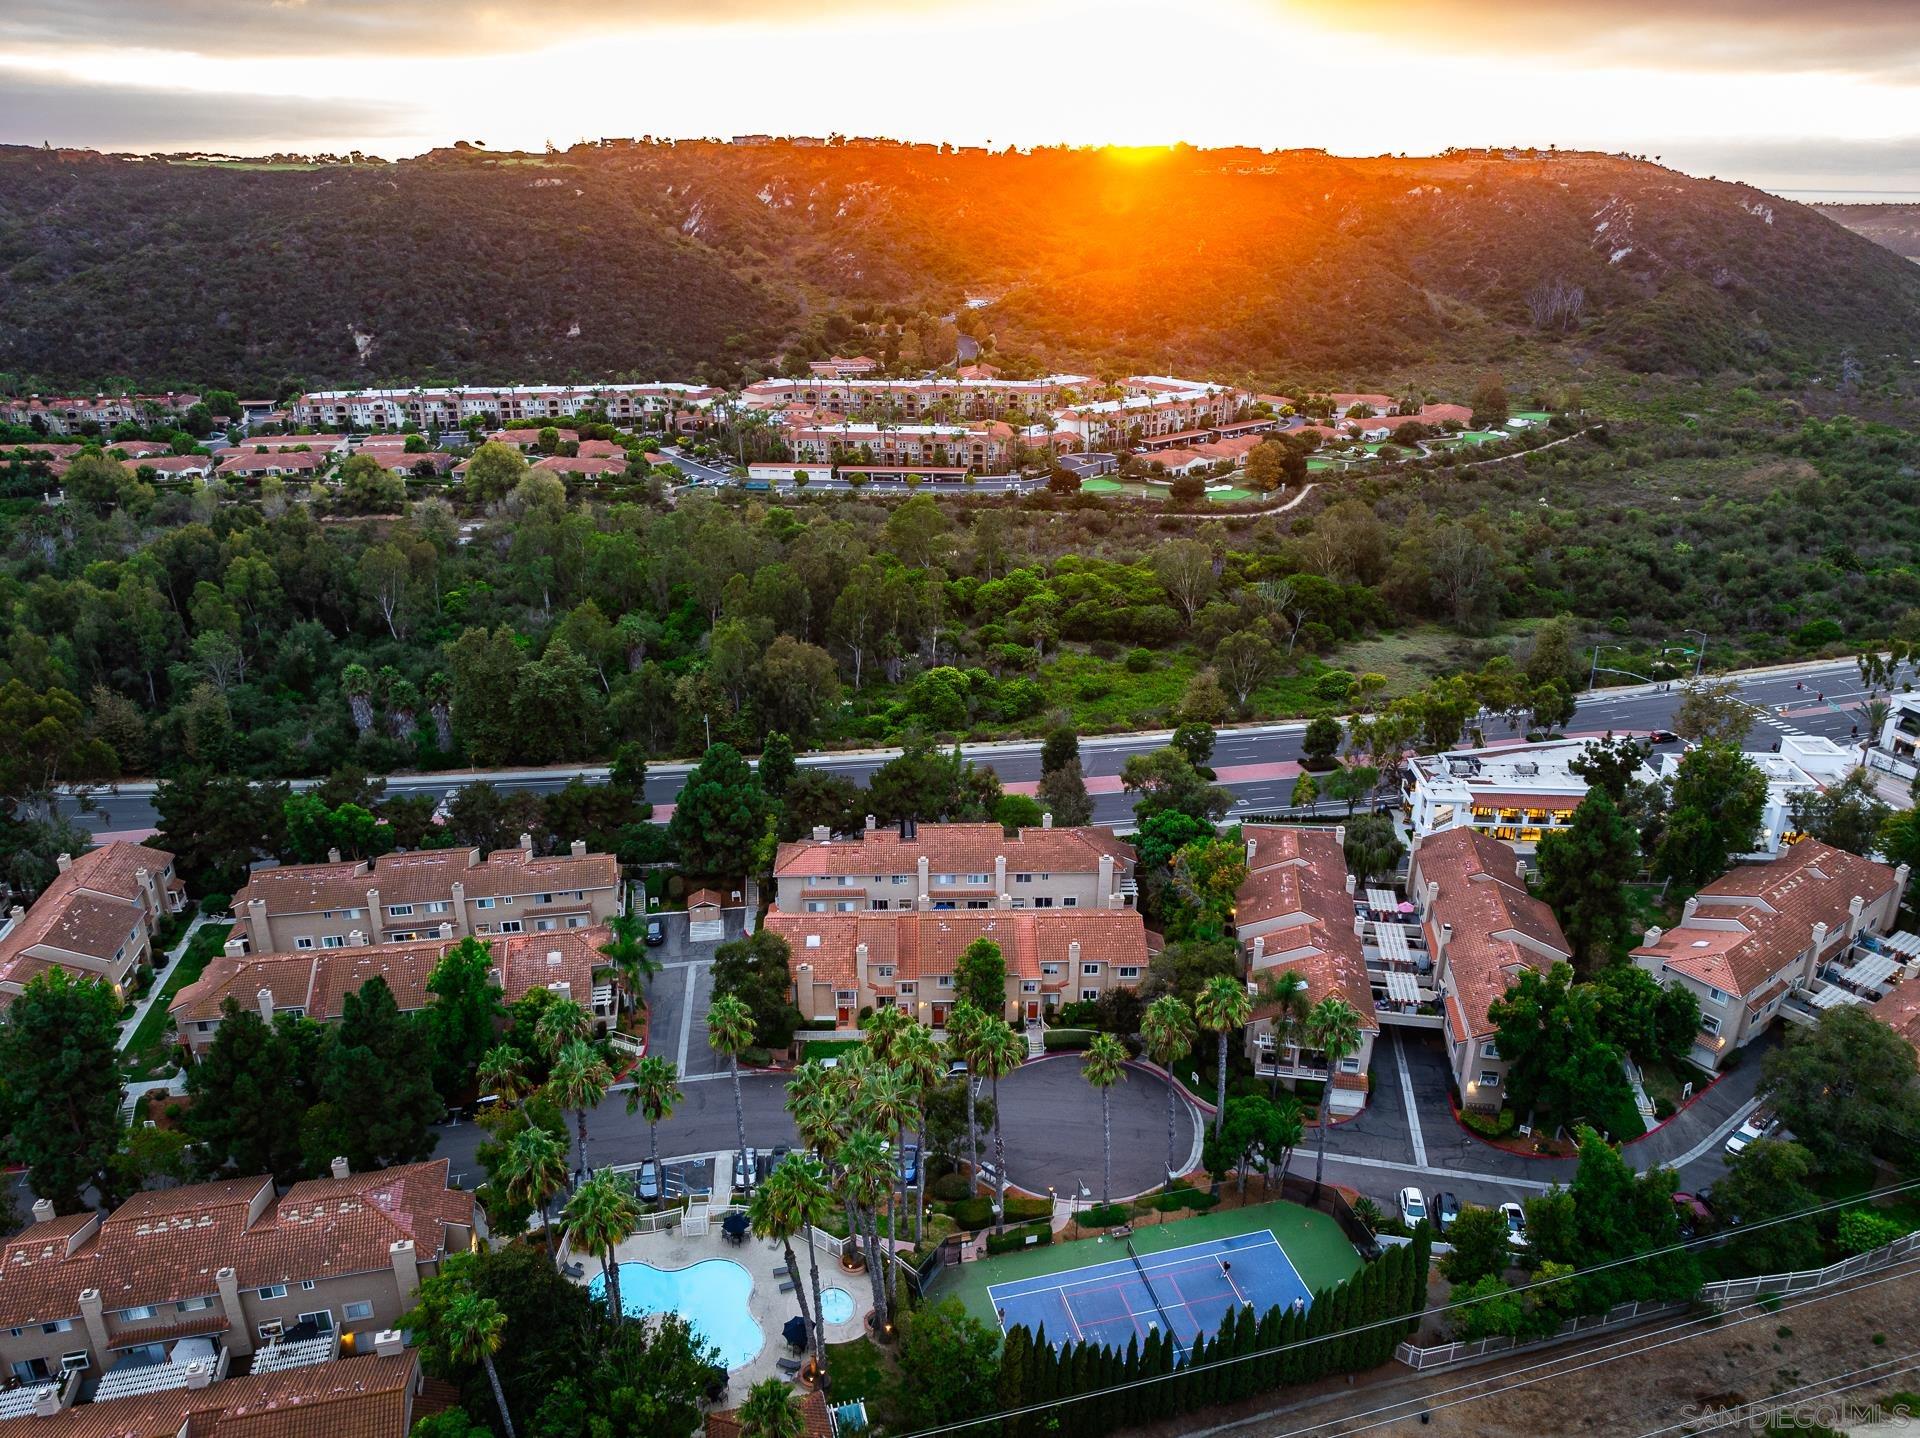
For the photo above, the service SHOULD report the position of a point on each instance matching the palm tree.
(1874, 714)
(627, 955)
(1285, 993)
(999, 1050)
(599, 1216)
(794, 1198)
(817, 1099)
(772, 1410)
(1222, 1006)
(883, 1029)
(866, 1173)
(964, 1027)
(1168, 1031)
(560, 1024)
(472, 1328)
(1105, 1066)
(503, 1073)
(887, 1103)
(916, 1058)
(580, 1079)
(1334, 1029)
(730, 1032)
(534, 1170)
(655, 1093)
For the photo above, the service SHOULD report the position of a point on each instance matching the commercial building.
(1481, 931)
(1787, 936)
(1894, 747)
(398, 897)
(226, 1261)
(95, 920)
(314, 983)
(1513, 793)
(454, 406)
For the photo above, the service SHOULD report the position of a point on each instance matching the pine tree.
(1267, 1367)
(1015, 1373)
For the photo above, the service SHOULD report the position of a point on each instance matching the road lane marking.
(686, 1015)
(1406, 1093)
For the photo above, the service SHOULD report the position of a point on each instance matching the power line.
(1399, 1319)
(1739, 1414)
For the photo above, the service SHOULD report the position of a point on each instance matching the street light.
(1700, 654)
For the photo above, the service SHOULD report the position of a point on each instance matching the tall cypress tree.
(1016, 1356)
(1266, 1339)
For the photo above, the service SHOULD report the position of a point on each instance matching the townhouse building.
(1481, 930)
(844, 963)
(1513, 793)
(963, 397)
(251, 465)
(95, 920)
(1295, 913)
(69, 414)
(400, 897)
(319, 443)
(1158, 412)
(453, 406)
(174, 466)
(1783, 938)
(583, 466)
(226, 1261)
(314, 983)
(983, 447)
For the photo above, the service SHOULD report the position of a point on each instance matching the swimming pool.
(711, 1295)
(836, 1305)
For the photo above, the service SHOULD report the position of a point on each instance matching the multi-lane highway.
(1258, 763)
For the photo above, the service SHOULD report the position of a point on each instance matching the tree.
(980, 977)
(246, 1110)
(1372, 847)
(719, 823)
(1244, 660)
(579, 1080)
(1305, 793)
(1715, 803)
(1321, 741)
(459, 1328)
(494, 472)
(1333, 1028)
(598, 1218)
(1559, 1057)
(1479, 1240)
(1060, 748)
(1765, 1180)
(955, 1360)
(757, 970)
(1845, 1087)
(1166, 781)
(730, 1034)
(794, 1198)
(1185, 570)
(627, 955)
(798, 683)
(772, 1410)
(865, 1178)
(1063, 793)
(655, 1093)
(1848, 815)
(1015, 812)
(777, 767)
(1222, 1007)
(966, 1026)
(1654, 1022)
(1103, 1067)
(463, 1018)
(997, 1051)
(377, 1102)
(1612, 765)
(534, 1171)
(1583, 872)
(1712, 711)
(1489, 403)
(369, 487)
(217, 826)
(60, 1090)
(1202, 882)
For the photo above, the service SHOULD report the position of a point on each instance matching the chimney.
(65, 862)
(924, 876)
(46, 1403)
(1854, 907)
(526, 842)
(821, 833)
(263, 1001)
(333, 856)
(1109, 897)
(42, 1210)
(1651, 937)
(406, 1270)
(1432, 895)
(1253, 847)
(340, 1168)
(1000, 876)
(1073, 956)
(389, 1343)
(1046, 819)
(199, 1375)
(356, 939)
(1350, 884)
(860, 954)
(1819, 938)
(446, 929)
(1340, 835)
(239, 1335)
(1259, 947)
(1691, 908)
(460, 919)
(872, 823)
(578, 848)
(259, 927)
(374, 916)
(93, 1313)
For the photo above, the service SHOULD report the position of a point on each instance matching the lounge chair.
(788, 1365)
(787, 1287)
(783, 1272)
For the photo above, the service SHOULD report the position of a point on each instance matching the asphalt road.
(1257, 763)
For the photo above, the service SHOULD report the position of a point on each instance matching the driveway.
(1051, 1118)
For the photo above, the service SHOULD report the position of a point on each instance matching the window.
(508, 901)
(979, 903)
(901, 878)
(356, 1311)
(70, 1362)
(1489, 1079)
(509, 926)
(576, 921)
(307, 1285)
(1023, 878)
(907, 986)
(979, 878)
(399, 911)
(545, 925)
(59, 1325)
(438, 906)
(816, 906)
(303, 942)
(401, 936)
(884, 971)
(483, 903)
(1051, 971)
(320, 1318)
(1088, 996)
(1710, 1025)
(1089, 971)
(1489, 1051)
(203, 1026)
(543, 898)
(194, 1305)
(1070, 902)
(1350, 1065)
(1127, 971)
(943, 981)
(138, 1314)
(1043, 901)
(273, 1290)
(271, 1331)
(845, 906)
(333, 941)
(349, 913)
(1716, 996)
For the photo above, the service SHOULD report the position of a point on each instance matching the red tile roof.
(928, 942)
(583, 464)
(423, 875)
(1303, 872)
(957, 849)
(91, 909)
(813, 1408)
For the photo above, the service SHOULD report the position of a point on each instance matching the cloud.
(37, 108)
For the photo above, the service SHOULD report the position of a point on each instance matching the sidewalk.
(154, 994)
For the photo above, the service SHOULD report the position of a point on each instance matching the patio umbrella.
(735, 1224)
(795, 1332)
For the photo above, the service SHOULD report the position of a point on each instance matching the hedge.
(976, 1213)
(1034, 1235)
(951, 1188)
(1104, 1215)
(1067, 1038)
(1180, 1198)
(1488, 1125)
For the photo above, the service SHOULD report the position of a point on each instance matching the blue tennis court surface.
(1187, 1290)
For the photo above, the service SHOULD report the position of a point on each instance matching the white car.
(1413, 1207)
(1760, 1124)
(1516, 1218)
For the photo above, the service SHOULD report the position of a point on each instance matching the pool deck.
(769, 1306)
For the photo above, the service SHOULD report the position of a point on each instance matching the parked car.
(1693, 1213)
(648, 1183)
(1516, 1218)
(1760, 1124)
(1413, 1208)
(910, 1163)
(656, 934)
(749, 1166)
(1664, 736)
(1446, 1208)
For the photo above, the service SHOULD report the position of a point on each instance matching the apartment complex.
(401, 897)
(68, 414)
(960, 398)
(1295, 913)
(846, 962)
(453, 406)
(843, 366)
(1157, 410)
(314, 984)
(225, 1261)
(1481, 931)
(937, 867)
(1795, 933)
(95, 920)
(984, 446)
(1513, 793)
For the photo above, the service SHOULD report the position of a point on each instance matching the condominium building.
(68, 414)
(1158, 410)
(959, 398)
(95, 920)
(281, 463)
(937, 867)
(1784, 937)
(843, 367)
(1513, 793)
(228, 1261)
(983, 446)
(314, 983)
(399, 897)
(1482, 930)
(1896, 748)
(454, 406)
(846, 962)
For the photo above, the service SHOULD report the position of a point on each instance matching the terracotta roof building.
(1761, 933)
(248, 464)
(1295, 912)
(813, 1412)
(586, 466)
(225, 1260)
(406, 896)
(315, 983)
(96, 918)
(1483, 930)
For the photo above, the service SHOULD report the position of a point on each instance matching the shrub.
(1488, 1125)
(951, 1188)
(1141, 661)
(1662, 1109)
(1020, 1210)
(216, 903)
(1861, 1230)
(757, 1058)
(1036, 1235)
(1067, 1039)
(1105, 1215)
(1179, 1198)
(972, 1213)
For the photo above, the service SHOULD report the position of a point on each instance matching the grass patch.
(145, 1053)
(829, 1048)
(861, 1369)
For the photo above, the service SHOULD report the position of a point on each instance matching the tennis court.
(1186, 1291)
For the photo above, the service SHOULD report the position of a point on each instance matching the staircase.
(1640, 1099)
(1036, 1040)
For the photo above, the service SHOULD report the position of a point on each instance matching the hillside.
(1897, 227)
(702, 259)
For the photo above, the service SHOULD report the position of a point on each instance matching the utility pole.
(1700, 654)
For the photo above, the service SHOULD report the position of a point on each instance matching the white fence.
(827, 1242)
(1727, 1290)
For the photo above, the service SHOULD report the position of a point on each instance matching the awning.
(1833, 996)
(1902, 943)
(1402, 988)
(1383, 901)
(1393, 943)
(1870, 971)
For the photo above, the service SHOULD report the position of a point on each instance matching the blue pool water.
(711, 1296)
(836, 1305)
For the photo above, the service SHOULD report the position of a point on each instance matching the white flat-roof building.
(1896, 748)
(1805, 764)
(1513, 793)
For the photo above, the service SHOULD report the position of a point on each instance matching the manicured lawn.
(145, 1054)
(829, 1048)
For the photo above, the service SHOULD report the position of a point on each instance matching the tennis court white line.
(996, 1296)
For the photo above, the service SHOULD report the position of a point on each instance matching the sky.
(1782, 94)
